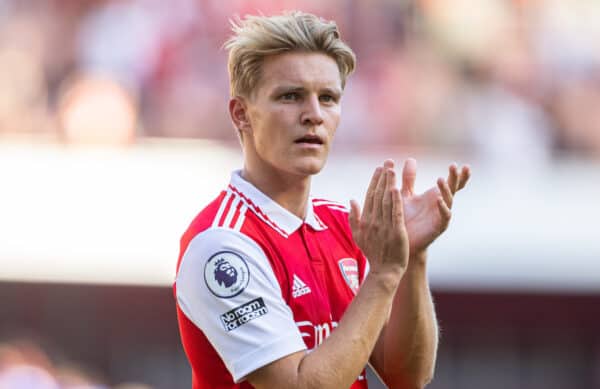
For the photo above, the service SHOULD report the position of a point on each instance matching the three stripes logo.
(299, 288)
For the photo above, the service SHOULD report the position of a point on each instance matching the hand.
(427, 215)
(380, 230)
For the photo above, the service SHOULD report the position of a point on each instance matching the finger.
(392, 186)
(377, 211)
(387, 209)
(409, 176)
(397, 208)
(390, 164)
(453, 177)
(368, 206)
(465, 174)
(445, 213)
(354, 218)
(445, 191)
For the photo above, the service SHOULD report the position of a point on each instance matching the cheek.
(333, 121)
(277, 126)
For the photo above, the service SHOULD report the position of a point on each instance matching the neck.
(289, 191)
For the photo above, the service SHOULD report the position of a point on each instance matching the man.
(273, 288)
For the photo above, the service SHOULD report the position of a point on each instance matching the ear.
(238, 110)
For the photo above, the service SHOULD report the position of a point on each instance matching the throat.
(290, 193)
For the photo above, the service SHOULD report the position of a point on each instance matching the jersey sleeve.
(226, 286)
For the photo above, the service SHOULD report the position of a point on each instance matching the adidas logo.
(299, 288)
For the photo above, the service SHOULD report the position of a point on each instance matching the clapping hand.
(427, 215)
(380, 230)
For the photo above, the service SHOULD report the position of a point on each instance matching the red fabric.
(313, 256)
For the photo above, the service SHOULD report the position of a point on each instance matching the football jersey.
(256, 283)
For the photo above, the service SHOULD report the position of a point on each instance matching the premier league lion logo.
(225, 274)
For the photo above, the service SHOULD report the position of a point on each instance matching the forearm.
(381, 234)
(408, 345)
(340, 359)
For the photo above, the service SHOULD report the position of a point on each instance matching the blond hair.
(256, 37)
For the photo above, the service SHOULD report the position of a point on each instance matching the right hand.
(379, 230)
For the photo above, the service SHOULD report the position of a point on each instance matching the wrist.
(417, 262)
(419, 257)
(388, 279)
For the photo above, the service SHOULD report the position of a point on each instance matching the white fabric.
(258, 341)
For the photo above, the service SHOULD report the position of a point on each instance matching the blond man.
(274, 288)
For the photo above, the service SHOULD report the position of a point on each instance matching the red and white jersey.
(256, 283)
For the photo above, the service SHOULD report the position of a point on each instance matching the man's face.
(294, 113)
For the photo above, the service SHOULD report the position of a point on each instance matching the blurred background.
(114, 133)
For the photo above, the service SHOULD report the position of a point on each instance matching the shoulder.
(203, 220)
(227, 211)
(323, 205)
(221, 242)
(217, 239)
(332, 213)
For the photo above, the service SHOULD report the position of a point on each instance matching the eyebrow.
(291, 88)
(288, 88)
(333, 91)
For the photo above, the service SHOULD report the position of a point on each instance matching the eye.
(290, 96)
(327, 99)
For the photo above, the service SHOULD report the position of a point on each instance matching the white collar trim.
(284, 221)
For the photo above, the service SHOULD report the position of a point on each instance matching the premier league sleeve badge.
(226, 274)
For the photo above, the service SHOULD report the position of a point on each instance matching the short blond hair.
(256, 37)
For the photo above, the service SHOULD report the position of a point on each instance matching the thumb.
(409, 175)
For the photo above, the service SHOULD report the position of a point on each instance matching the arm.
(406, 350)
(340, 359)
(336, 363)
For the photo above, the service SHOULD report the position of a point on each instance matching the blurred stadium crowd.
(508, 82)
(24, 364)
(497, 79)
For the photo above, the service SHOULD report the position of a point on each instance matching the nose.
(312, 114)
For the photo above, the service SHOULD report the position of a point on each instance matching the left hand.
(427, 215)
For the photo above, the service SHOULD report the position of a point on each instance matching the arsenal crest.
(349, 269)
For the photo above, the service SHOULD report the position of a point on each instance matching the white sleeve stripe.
(232, 210)
(339, 208)
(241, 217)
(222, 207)
(326, 202)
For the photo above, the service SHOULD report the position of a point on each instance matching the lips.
(311, 139)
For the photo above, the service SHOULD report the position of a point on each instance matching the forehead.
(310, 70)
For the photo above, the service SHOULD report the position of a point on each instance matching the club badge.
(349, 269)
(226, 274)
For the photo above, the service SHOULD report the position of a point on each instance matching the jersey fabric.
(256, 283)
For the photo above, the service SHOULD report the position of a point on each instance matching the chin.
(309, 168)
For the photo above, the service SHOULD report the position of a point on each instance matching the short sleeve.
(226, 286)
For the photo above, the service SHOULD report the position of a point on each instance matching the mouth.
(309, 139)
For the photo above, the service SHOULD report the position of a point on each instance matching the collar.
(279, 218)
